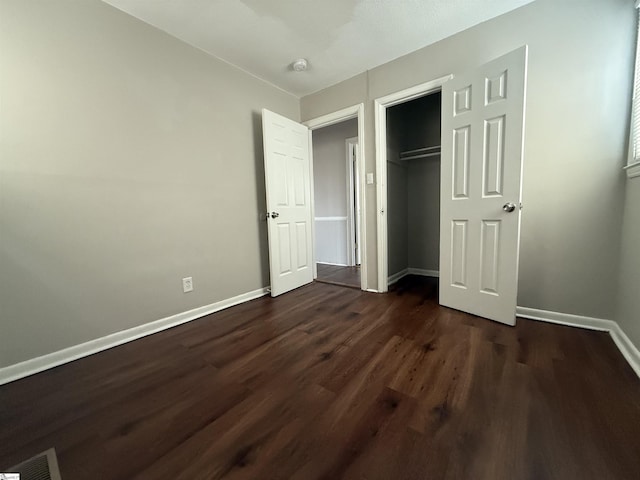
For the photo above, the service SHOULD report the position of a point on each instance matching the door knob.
(509, 207)
(275, 214)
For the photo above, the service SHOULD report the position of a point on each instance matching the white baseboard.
(334, 264)
(411, 271)
(624, 344)
(424, 273)
(50, 360)
(397, 276)
(626, 347)
(565, 319)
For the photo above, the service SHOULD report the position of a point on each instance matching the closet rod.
(421, 155)
(421, 150)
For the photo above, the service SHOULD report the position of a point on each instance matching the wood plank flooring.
(339, 275)
(327, 383)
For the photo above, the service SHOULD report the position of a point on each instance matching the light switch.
(369, 178)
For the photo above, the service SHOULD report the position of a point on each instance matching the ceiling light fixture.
(300, 65)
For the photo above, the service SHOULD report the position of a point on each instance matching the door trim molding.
(629, 351)
(351, 194)
(66, 355)
(380, 113)
(354, 111)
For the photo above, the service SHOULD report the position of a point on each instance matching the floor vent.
(43, 466)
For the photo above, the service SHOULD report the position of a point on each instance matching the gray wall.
(579, 86)
(329, 168)
(424, 213)
(628, 312)
(419, 122)
(128, 161)
(397, 197)
(421, 118)
(330, 190)
(397, 218)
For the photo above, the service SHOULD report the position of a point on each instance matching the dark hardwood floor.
(328, 382)
(338, 275)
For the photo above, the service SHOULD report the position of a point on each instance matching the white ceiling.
(340, 38)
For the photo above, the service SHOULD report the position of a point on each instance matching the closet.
(413, 187)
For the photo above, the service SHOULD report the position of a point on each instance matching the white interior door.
(288, 184)
(482, 151)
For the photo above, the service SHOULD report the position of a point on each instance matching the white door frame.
(380, 109)
(353, 227)
(355, 111)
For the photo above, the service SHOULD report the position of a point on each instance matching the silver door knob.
(509, 207)
(275, 214)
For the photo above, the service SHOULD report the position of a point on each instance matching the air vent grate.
(41, 467)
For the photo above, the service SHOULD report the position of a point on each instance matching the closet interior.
(413, 187)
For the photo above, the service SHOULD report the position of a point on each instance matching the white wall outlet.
(187, 284)
(369, 178)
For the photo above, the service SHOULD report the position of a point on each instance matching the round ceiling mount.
(300, 65)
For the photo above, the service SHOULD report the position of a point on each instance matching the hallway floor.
(339, 275)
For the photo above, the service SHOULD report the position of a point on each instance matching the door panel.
(489, 256)
(496, 88)
(288, 185)
(302, 229)
(459, 253)
(284, 246)
(493, 164)
(279, 187)
(482, 152)
(461, 162)
(462, 100)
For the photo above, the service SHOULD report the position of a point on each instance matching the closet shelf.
(420, 153)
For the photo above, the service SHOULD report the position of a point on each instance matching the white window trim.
(633, 169)
(633, 161)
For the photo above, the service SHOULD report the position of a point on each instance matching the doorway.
(421, 152)
(336, 182)
(413, 187)
(351, 268)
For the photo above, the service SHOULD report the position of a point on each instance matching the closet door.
(482, 152)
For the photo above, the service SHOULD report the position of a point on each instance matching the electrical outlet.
(187, 284)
